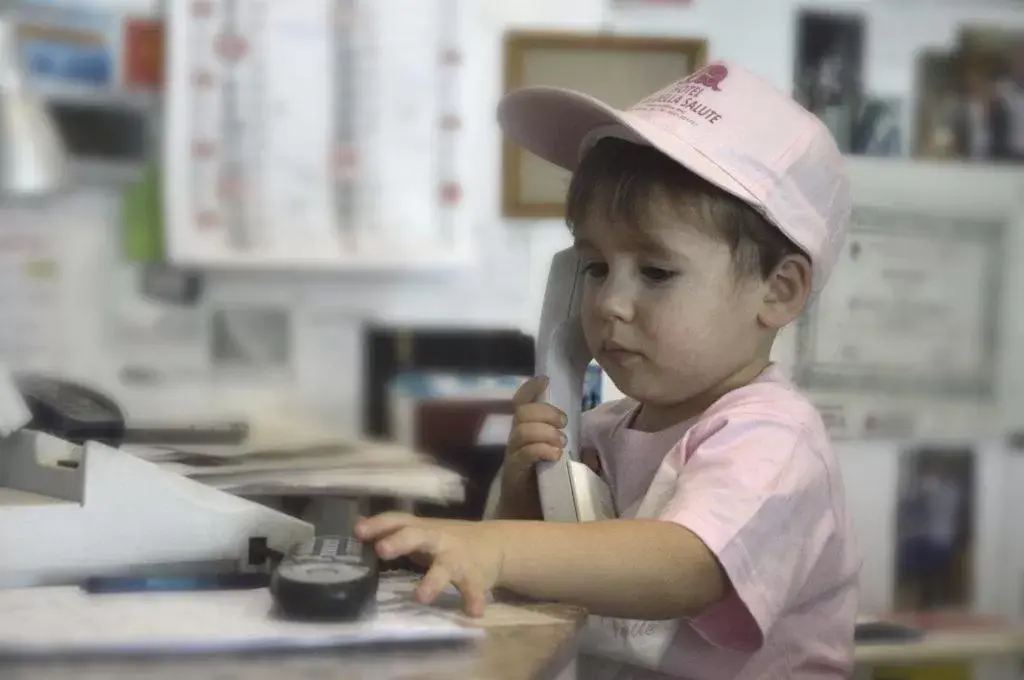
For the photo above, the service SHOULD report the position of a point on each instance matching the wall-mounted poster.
(911, 308)
(619, 70)
(63, 49)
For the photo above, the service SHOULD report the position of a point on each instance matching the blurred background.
(308, 206)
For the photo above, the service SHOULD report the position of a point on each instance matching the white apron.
(641, 643)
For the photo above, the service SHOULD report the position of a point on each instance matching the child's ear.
(787, 290)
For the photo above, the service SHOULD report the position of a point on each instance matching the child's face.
(664, 312)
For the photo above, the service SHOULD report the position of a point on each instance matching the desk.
(544, 649)
(523, 641)
(993, 653)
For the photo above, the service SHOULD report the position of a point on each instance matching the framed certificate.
(912, 308)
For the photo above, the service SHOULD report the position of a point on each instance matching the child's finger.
(433, 582)
(532, 453)
(471, 586)
(540, 413)
(530, 391)
(406, 541)
(525, 434)
(378, 526)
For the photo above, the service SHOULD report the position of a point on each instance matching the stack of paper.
(292, 455)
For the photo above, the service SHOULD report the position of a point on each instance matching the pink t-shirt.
(756, 479)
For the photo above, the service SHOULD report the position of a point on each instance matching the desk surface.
(522, 642)
(945, 646)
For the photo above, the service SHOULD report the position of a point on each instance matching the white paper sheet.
(495, 429)
(154, 342)
(401, 136)
(449, 603)
(66, 620)
(428, 483)
(31, 290)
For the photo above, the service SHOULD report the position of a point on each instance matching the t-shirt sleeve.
(757, 493)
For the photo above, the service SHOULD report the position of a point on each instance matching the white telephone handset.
(569, 490)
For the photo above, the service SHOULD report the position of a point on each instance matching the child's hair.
(622, 182)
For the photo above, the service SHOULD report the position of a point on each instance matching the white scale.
(113, 514)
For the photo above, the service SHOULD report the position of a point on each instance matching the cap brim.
(553, 123)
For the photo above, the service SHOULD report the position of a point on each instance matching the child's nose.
(614, 304)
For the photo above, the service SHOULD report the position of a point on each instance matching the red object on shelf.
(144, 54)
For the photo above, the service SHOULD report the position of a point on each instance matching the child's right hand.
(536, 436)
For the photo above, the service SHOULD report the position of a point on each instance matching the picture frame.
(923, 340)
(936, 565)
(619, 70)
(993, 62)
(937, 98)
(887, 333)
(878, 128)
(829, 69)
(965, 97)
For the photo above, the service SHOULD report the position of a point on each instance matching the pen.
(140, 584)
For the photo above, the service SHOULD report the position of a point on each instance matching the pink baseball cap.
(723, 123)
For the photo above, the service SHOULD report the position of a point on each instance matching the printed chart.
(314, 133)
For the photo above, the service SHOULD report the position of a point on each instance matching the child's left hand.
(468, 555)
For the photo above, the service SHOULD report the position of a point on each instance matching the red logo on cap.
(685, 98)
(710, 76)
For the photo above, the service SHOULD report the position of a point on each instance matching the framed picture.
(878, 128)
(912, 307)
(829, 70)
(992, 86)
(935, 522)
(619, 70)
(939, 105)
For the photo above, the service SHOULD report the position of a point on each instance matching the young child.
(707, 216)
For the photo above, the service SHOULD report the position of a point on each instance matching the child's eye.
(595, 269)
(657, 274)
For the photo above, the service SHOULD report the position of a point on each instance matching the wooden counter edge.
(944, 646)
(542, 651)
(567, 651)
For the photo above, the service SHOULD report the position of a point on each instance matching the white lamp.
(32, 155)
